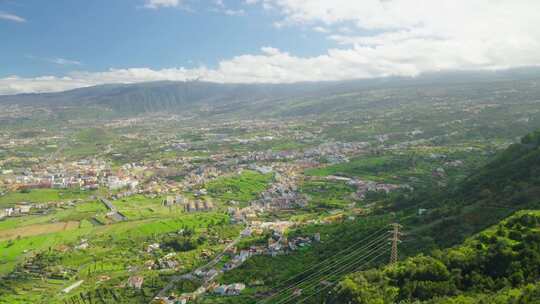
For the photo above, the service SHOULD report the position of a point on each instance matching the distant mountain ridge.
(179, 96)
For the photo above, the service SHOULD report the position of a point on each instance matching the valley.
(254, 194)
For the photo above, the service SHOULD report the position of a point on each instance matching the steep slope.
(510, 182)
(499, 265)
(512, 179)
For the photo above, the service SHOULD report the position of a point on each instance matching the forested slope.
(499, 265)
(509, 183)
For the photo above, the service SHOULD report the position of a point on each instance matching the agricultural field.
(242, 188)
(146, 208)
(112, 250)
(328, 194)
(42, 196)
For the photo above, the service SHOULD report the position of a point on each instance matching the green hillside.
(512, 179)
(499, 265)
(507, 184)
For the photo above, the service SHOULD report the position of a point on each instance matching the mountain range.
(181, 96)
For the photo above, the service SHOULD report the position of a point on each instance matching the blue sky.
(55, 45)
(103, 34)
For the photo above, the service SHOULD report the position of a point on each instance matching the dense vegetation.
(499, 265)
(508, 183)
(500, 259)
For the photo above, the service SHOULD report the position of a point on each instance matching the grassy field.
(368, 167)
(42, 196)
(140, 207)
(328, 194)
(414, 166)
(81, 211)
(11, 251)
(31, 230)
(242, 188)
(89, 142)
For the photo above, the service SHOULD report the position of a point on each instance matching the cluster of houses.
(283, 193)
(200, 176)
(229, 290)
(18, 210)
(168, 261)
(335, 152)
(277, 244)
(332, 152)
(223, 290)
(363, 187)
(26, 208)
(83, 174)
(135, 281)
(199, 205)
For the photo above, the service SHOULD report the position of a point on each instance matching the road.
(117, 215)
(191, 275)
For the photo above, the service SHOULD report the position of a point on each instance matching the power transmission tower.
(395, 241)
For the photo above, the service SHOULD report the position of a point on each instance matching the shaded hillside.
(499, 265)
(511, 179)
(510, 182)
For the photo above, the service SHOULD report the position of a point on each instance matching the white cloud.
(321, 29)
(221, 7)
(63, 61)
(232, 12)
(219, 3)
(11, 17)
(55, 60)
(155, 4)
(376, 38)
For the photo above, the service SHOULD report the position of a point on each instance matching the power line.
(326, 287)
(341, 271)
(330, 265)
(344, 268)
(341, 266)
(360, 242)
(395, 240)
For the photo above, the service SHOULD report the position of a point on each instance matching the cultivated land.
(239, 200)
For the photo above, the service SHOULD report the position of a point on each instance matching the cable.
(339, 263)
(338, 253)
(336, 272)
(324, 288)
(331, 264)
